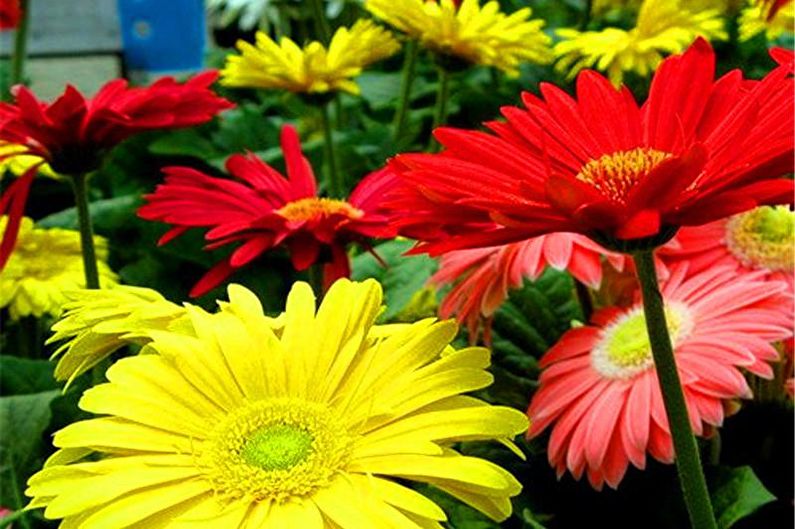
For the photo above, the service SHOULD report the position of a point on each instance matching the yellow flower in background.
(239, 425)
(97, 323)
(44, 265)
(663, 27)
(18, 164)
(753, 21)
(477, 34)
(313, 69)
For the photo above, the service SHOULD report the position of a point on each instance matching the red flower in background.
(483, 276)
(73, 133)
(263, 210)
(699, 149)
(10, 13)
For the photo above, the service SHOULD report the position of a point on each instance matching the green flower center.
(624, 349)
(277, 447)
(763, 238)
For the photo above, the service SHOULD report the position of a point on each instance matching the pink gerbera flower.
(486, 274)
(599, 389)
(762, 239)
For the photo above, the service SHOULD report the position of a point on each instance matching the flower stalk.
(334, 185)
(18, 58)
(688, 462)
(406, 82)
(442, 95)
(80, 189)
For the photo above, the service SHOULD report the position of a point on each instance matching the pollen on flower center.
(763, 238)
(624, 349)
(275, 449)
(615, 174)
(313, 208)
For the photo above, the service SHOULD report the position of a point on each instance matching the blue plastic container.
(162, 36)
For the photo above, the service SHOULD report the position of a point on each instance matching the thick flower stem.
(406, 82)
(333, 182)
(440, 111)
(20, 45)
(321, 24)
(442, 94)
(688, 463)
(80, 188)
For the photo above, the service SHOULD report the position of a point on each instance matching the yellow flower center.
(314, 208)
(615, 174)
(763, 238)
(624, 349)
(275, 450)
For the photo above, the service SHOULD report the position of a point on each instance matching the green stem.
(442, 95)
(586, 19)
(440, 111)
(322, 28)
(13, 517)
(20, 514)
(316, 279)
(688, 463)
(406, 82)
(80, 188)
(20, 45)
(333, 182)
(585, 299)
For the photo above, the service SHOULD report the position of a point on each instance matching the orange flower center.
(313, 208)
(615, 174)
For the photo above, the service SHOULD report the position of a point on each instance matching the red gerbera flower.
(263, 209)
(73, 133)
(482, 276)
(10, 14)
(699, 149)
(599, 389)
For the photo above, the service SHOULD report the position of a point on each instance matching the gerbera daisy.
(771, 7)
(239, 426)
(482, 276)
(97, 323)
(469, 32)
(756, 19)
(313, 69)
(698, 150)
(72, 134)
(265, 210)
(12, 160)
(662, 27)
(762, 239)
(599, 389)
(44, 266)
(10, 14)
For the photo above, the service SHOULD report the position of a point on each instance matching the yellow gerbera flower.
(97, 323)
(44, 265)
(753, 21)
(18, 164)
(313, 69)
(663, 27)
(474, 33)
(243, 426)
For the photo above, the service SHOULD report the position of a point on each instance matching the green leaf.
(19, 376)
(401, 278)
(107, 214)
(23, 421)
(737, 493)
(529, 322)
(186, 142)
